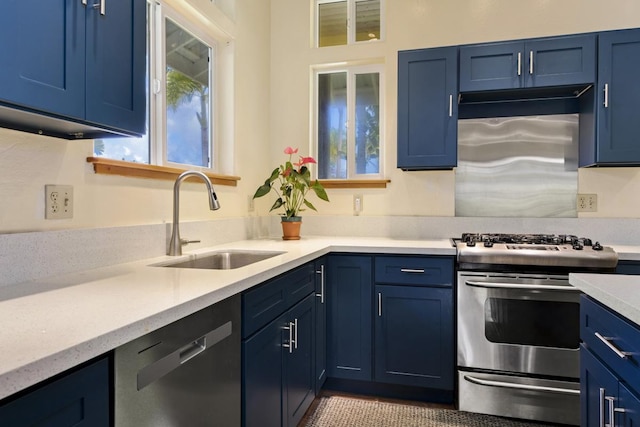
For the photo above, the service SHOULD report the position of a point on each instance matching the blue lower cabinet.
(78, 399)
(349, 317)
(321, 323)
(278, 369)
(594, 377)
(414, 336)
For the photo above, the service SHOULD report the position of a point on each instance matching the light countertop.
(619, 292)
(49, 326)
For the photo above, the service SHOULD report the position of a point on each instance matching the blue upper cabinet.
(618, 99)
(428, 108)
(80, 74)
(116, 52)
(557, 61)
(42, 65)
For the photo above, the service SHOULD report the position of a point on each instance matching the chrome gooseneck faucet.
(175, 245)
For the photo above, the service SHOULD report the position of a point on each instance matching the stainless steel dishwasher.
(184, 374)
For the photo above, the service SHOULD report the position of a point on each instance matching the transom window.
(340, 22)
(348, 123)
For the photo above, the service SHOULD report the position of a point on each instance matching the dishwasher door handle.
(175, 359)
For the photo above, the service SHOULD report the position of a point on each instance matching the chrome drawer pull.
(521, 286)
(606, 340)
(321, 273)
(291, 342)
(412, 270)
(606, 95)
(529, 387)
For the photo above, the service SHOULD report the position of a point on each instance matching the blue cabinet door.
(79, 399)
(618, 98)
(560, 61)
(300, 370)
(42, 44)
(414, 336)
(263, 375)
(491, 66)
(115, 65)
(321, 323)
(349, 319)
(428, 109)
(630, 403)
(596, 383)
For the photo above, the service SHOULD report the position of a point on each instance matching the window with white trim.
(183, 128)
(340, 22)
(348, 126)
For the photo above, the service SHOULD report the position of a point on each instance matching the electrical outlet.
(587, 202)
(58, 201)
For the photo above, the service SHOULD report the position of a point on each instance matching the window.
(347, 120)
(183, 128)
(341, 22)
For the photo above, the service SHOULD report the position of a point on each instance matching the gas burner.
(563, 251)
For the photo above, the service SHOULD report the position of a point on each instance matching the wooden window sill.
(354, 183)
(141, 170)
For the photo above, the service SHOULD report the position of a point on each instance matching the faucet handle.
(187, 241)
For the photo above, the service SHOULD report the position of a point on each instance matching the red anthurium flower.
(290, 150)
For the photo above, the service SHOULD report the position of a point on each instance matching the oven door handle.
(528, 387)
(494, 285)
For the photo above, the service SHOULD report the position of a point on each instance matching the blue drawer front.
(271, 299)
(619, 332)
(414, 270)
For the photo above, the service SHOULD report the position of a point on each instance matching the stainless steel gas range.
(518, 323)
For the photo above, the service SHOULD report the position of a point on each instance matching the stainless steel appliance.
(518, 323)
(184, 374)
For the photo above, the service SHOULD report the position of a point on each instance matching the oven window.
(532, 322)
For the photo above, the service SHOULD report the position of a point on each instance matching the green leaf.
(262, 190)
(309, 205)
(320, 191)
(274, 175)
(276, 204)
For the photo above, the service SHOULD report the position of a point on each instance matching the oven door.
(518, 323)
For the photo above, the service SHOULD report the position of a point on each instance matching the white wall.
(273, 59)
(431, 23)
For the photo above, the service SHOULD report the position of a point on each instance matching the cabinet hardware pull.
(321, 273)
(450, 105)
(519, 63)
(606, 95)
(601, 408)
(102, 6)
(530, 62)
(612, 413)
(606, 340)
(84, 2)
(379, 304)
(504, 384)
(521, 286)
(295, 334)
(289, 344)
(412, 270)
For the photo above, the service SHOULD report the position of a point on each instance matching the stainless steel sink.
(223, 260)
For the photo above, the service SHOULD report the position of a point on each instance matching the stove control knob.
(587, 242)
(577, 245)
(488, 244)
(597, 246)
(471, 243)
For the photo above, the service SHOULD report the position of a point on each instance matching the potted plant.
(294, 183)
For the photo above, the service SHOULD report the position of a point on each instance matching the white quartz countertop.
(619, 292)
(49, 326)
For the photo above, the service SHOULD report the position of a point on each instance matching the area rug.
(339, 411)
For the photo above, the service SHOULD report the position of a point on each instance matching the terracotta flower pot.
(291, 227)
